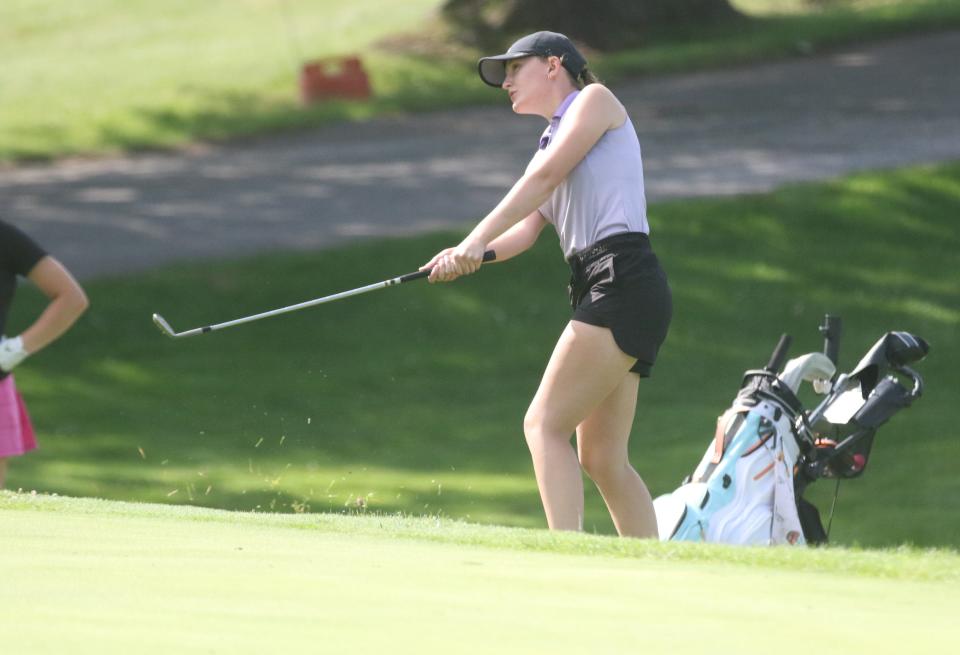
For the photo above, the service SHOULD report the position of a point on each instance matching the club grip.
(779, 354)
(831, 338)
(488, 256)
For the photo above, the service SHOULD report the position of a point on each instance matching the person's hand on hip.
(12, 353)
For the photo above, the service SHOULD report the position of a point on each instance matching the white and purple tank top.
(603, 195)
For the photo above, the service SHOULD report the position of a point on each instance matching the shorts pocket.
(601, 276)
(575, 290)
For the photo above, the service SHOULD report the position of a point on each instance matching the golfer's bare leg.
(602, 443)
(585, 368)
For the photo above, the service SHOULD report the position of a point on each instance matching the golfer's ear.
(555, 64)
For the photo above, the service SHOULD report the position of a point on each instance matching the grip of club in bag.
(831, 338)
(488, 256)
(779, 354)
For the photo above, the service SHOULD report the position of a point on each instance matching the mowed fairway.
(85, 576)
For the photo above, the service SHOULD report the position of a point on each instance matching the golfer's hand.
(12, 353)
(465, 258)
(433, 264)
(449, 264)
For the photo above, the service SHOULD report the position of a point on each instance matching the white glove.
(12, 353)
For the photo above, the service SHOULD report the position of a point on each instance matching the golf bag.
(748, 487)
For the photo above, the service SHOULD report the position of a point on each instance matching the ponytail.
(586, 77)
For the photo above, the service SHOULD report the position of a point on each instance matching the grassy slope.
(107, 75)
(410, 399)
(94, 576)
(121, 74)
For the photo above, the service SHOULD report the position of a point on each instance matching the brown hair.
(585, 77)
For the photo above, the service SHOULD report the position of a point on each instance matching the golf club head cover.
(12, 353)
(812, 367)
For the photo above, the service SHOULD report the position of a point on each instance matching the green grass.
(105, 577)
(411, 399)
(121, 74)
(118, 75)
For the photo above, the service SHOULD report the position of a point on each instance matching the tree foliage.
(601, 24)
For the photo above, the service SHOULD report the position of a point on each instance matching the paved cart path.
(746, 129)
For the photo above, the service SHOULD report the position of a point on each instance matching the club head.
(163, 325)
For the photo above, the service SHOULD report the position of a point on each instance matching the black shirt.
(18, 255)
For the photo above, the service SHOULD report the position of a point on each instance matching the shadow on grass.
(408, 84)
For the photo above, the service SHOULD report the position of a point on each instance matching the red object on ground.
(333, 78)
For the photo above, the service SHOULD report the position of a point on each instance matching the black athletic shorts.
(617, 283)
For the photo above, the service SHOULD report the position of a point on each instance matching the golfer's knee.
(538, 432)
(533, 430)
(602, 466)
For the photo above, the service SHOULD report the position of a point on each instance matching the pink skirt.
(16, 431)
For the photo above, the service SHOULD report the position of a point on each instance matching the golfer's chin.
(519, 108)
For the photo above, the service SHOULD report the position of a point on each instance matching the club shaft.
(292, 308)
(417, 275)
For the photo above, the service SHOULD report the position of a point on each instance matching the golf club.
(165, 327)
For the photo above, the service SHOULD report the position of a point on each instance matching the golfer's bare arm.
(67, 303)
(514, 241)
(519, 238)
(597, 111)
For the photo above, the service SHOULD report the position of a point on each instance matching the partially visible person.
(22, 256)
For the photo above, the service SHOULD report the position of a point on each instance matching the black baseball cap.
(493, 70)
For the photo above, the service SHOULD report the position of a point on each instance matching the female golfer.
(20, 255)
(586, 179)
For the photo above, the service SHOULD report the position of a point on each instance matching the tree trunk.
(600, 24)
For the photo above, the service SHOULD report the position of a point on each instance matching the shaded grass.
(144, 75)
(410, 399)
(769, 34)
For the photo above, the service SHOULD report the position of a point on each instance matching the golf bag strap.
(720, 436)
